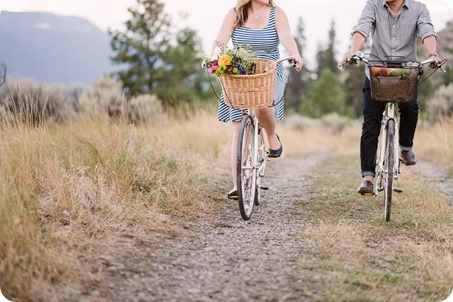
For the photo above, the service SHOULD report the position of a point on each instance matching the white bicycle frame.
(388, 114)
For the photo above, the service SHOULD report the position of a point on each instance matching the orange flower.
(224, 60)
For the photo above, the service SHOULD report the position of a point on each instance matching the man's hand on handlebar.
(349, 59)
(436, 62)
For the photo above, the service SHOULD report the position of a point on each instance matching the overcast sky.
(206, 15)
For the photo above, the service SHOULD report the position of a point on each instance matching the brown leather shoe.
(408, 158)
(366, 188)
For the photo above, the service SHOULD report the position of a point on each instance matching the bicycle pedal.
(366, 194)
(264, 188)
(398, 190)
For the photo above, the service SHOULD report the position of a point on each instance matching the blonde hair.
(242, 9)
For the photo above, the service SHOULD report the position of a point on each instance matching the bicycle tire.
(388, 168)
(245, 167)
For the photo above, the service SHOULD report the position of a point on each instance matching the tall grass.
(435, 143)
(71, 187)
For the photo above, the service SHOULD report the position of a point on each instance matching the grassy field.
(70, 189)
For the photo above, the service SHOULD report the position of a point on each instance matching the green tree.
(154, 60)
(352, 79)
(184, 77)
(326, 57)
(140, 48)
(326, 96)
(298, 82)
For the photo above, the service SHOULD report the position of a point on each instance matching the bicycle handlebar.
(290, 60)
(360, 56)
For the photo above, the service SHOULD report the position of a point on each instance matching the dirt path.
(221, 258)
(437, 177)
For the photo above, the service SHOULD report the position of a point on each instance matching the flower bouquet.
(231, 61)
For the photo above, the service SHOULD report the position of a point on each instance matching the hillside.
(52, 48)
(445, 42)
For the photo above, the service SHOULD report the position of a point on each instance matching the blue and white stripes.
(264, 43)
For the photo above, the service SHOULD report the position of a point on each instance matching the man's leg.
(371, 127)
(408, 124)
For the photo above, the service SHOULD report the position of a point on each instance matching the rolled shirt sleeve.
(367, 20)
(424, 24)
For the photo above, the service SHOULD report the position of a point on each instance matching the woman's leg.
(234, 151)
(266, 116)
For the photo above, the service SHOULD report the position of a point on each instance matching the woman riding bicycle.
(395, 25)
(262, 25)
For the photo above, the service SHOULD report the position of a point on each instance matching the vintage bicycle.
(252, 92)
(392, 81)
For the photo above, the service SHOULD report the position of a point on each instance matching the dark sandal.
(233, 195)
(278, 152)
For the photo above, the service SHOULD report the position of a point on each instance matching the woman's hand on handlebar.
(298, 62)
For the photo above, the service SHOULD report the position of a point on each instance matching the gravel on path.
(222, 257)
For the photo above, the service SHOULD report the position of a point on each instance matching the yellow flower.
(224, 60)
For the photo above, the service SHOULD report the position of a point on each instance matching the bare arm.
(226, 30)
(287, 40)
(430, 44)
(357, 42)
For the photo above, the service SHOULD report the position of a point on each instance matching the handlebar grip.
(353, 60)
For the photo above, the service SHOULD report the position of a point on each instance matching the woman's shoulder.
(279, 12)
(231, 14)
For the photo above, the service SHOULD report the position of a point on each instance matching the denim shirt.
(395, 37)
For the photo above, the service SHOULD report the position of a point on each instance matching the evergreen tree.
(140, 48)
(353, 81)
(297, 81)
(153, 60)
(326, 57)
(326, 96)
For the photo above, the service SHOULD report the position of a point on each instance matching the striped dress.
(265, 44)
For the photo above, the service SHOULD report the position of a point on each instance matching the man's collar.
(406, 4)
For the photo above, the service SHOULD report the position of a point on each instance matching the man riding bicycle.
(394, 25)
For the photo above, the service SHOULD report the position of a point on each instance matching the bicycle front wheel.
(262, 158)
(388, 168)
(246, 167)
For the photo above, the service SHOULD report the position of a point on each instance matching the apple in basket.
(375, 70)
(384, 72)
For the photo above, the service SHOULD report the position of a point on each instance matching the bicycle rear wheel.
(388, 168)
(245, 167)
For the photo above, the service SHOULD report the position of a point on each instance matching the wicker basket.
(394, 88)
(254, 91)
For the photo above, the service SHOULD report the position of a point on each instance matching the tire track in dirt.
(222, 258)
(437, 177)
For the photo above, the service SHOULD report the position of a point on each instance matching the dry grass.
(435, 143)
(360, 257)
(75, 188)
(70, 190)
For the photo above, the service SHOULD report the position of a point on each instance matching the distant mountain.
(52, 48)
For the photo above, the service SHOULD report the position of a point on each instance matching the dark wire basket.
(393, 81)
